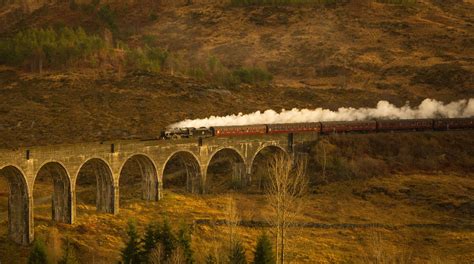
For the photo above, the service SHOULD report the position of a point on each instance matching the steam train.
(328, 127)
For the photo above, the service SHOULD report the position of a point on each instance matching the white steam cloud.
(429, 108)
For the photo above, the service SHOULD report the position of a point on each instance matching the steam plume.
(429, 108)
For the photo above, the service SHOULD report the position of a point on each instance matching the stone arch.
(190, 172)
(263, 148)
(105, 192)
(61, 202)
(148, 173)
(237, 170)
(20, 220)
(256, 174)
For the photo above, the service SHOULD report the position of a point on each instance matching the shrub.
(69, 256)
(148, 58)
(38, 253)
(237, 253)
(253, 75)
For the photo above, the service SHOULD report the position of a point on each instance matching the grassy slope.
(430, 199)
(349, 55)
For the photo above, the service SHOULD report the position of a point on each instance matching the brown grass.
(100, 237)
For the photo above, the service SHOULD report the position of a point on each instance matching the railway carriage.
(348, 126)
(222, 131)
(294, 127)
(453, 123)
(404, 124)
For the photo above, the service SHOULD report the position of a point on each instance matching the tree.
(184, 239)
(38, 253)
(132, 253)
(151, 238)
(285, 193)
(168, 240)
(264, 251)
(69, 256)
(237, 253)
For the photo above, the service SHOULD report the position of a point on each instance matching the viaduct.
(106, 160)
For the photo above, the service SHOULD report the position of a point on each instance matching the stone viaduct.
(107, 159)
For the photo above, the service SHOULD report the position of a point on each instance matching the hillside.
(382, 198)
(349, 54)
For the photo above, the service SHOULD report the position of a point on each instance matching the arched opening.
(14, 205)
(257, 178)
(52, 194)
(226, 171)
(182, 172)
(95, 187)
(138, 179)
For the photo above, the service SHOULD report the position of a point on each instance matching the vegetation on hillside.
(49, 48)
(349, 157)
(55, 49)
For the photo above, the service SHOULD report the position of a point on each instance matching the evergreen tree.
(237, 254)
(132, 253)
(151, 239)
(263, 251)
(168, 240)
(69, 256)
(184, 239)
(38, 253)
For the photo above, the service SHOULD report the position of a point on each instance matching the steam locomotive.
(328, 127)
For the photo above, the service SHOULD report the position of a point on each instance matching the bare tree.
(285, 192)
(232, 220)
(322, 153)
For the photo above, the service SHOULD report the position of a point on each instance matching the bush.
(237, 254)
(69, 256)
(38, 253)
(253, 76)
(148, 59)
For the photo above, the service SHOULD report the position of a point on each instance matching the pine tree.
(69, 256)
(184, 239)
(168, 240)
(150, 238)
(132, 253)
(38, 253)
(263, 251)
(237, 254)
